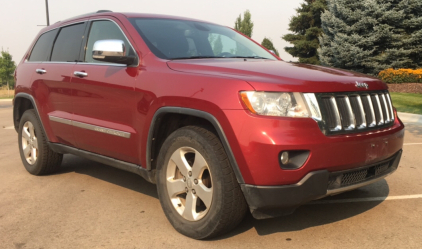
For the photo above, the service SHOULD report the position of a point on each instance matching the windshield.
(180, 39)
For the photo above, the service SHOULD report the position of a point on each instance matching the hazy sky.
(19, 18)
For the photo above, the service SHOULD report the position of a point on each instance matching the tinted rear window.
(68, 43)
(42, 48)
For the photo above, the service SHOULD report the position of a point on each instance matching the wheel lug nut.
(187, 190)
(195, 181)
(184, 178)
(190, 173)
(193, 191)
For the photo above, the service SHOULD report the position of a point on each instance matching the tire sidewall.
(30, 116)
(186, 137)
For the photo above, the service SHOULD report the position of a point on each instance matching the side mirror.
(113, 51)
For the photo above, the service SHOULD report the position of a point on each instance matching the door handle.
(40, 71)
(80, 74)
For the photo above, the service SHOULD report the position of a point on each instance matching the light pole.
(46, 10)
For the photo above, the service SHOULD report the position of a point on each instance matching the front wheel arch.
(204, 118)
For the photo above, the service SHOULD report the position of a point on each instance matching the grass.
(407, 102)
(4, 94)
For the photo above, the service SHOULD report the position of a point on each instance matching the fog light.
(284, 157)
(293, 159)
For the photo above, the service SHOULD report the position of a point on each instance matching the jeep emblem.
(362, 85)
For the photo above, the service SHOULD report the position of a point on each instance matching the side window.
(42, 48)
(68, 43)
(104, 30)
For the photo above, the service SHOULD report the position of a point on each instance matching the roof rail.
(102, 11)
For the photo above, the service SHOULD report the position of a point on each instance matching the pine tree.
(245, 25)
(218, 46)
(371, 35)
(268, 44)
(404, 49)
(306, 28)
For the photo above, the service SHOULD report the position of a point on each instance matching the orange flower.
(402, 75)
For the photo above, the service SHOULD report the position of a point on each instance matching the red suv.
(218, 122)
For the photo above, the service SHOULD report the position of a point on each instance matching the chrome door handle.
(80, 74)
(41, 71)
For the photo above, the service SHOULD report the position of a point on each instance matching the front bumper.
(272, 201)
(257, 141)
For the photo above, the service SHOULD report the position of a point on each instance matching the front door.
(104, 99)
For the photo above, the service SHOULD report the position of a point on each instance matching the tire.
(210, 177)
(36, 155)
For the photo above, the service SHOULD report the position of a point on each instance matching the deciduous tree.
(7, 68)
(245, 25)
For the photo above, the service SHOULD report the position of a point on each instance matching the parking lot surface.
(89, 205)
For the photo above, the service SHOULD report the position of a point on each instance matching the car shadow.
(316, 213)
(306, 216)
(415, 129)
(109, 174)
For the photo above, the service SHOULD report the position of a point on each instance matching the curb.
(5, 100)
(410, 118)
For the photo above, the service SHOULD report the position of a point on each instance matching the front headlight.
(283, 104)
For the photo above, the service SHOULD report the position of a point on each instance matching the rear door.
(104, 98)
(54, 81)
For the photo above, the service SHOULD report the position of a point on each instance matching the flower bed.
(401, 76)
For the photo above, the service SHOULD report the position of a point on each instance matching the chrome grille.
(353, 112)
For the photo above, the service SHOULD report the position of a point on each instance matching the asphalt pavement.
(90, 205)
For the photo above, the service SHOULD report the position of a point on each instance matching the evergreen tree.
(218, 46)
(306, 28)
(404, 49)
(245, 25)
(371, 35)
(268, 44)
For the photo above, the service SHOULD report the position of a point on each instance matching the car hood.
(269, 75)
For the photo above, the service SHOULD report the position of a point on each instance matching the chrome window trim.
(32, 47)
(87, 63)
(133, 48)
(102, 64)
(86, 126)
(362, 111)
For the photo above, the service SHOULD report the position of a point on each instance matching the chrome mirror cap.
(113, 51)
(103, 48)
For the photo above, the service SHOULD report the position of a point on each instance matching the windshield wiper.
(209, 56)
(248, 57)
(196, 57)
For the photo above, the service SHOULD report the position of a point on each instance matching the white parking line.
(386, 198)
(413, 144)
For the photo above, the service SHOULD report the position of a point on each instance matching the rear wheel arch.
(21, 103)
(172, 118)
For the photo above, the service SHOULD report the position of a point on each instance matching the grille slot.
(356, 176)
(351, 112)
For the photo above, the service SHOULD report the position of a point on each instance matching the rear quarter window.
(42, 48)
